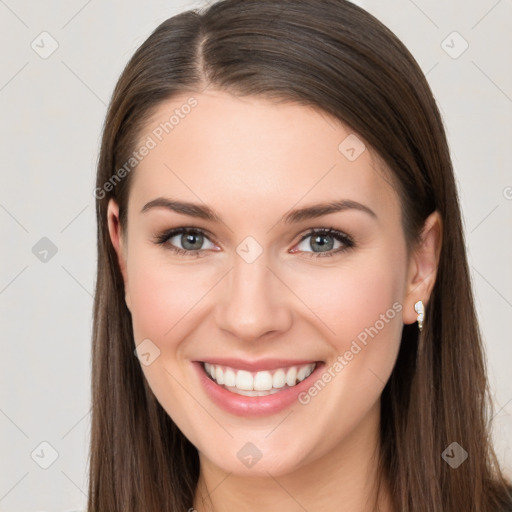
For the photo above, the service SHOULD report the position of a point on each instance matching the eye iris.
(189, 238)
(320, 240)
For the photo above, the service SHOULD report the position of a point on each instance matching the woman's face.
(253, 288)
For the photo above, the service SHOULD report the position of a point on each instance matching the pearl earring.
(420, 309)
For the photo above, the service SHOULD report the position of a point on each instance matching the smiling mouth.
(261, 383)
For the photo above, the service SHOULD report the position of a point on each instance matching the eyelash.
(164, 237)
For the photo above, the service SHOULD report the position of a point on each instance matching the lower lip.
(253, 405)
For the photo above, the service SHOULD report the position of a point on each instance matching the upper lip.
(257, 365)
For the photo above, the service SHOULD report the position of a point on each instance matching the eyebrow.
(294, 216)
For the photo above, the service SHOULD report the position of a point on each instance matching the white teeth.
(302, 373)
(210, 370)
(252, 393)
(291, 376)
(258, 383)
(229, 377)
(262, 381)
(244, 380)
(279, 379)
(219, 375)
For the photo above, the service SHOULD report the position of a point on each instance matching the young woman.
(283, 315)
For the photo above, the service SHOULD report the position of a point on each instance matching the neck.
(345, 479)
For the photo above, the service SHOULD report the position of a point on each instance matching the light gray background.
(52, 112)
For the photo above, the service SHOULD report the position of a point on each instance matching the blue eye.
(324, 242)
(191, 240)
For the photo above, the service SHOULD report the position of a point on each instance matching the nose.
(254, 301)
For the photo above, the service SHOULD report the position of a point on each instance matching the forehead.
(215, 146)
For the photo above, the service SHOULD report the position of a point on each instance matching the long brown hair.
(335, 56)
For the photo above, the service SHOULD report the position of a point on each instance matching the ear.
(119, 243)
(423, 265)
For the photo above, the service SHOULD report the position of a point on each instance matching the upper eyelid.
(337, 233)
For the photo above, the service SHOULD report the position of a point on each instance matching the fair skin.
(252, 161)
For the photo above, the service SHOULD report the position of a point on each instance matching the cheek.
(161, 295)
(164, 301)
(353, 297)
(359, 310)
(358, 306)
